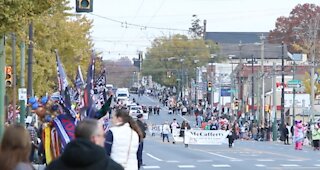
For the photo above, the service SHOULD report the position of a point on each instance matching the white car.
(134, 111)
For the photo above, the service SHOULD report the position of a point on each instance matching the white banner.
(206, 137)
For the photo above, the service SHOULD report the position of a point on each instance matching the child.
(230, 138)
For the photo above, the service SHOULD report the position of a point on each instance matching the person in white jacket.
(122, 140)
(165, 131)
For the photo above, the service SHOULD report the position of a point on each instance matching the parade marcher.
(15, 149)
(316, 137)
(86, 152)
(34, 137)
(174, 125)
(298, 135)
(184, 127)
(143, 127)
(285, 134)
(122, 140)
(230, 138)
(165, 131)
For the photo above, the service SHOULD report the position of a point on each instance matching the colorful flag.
(79, 79)
(88, 93)
(62, 77)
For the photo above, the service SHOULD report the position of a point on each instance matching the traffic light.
(84, 5)
(9, 77)
(209, 86)
(236, 104)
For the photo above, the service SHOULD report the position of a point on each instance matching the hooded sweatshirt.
(82, 154)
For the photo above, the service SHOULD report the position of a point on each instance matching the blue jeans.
(165, 136)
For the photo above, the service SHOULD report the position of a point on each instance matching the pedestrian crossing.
(257, 163)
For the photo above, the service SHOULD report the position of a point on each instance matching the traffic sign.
(294, 84)
(22, 94)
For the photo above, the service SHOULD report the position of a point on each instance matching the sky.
(124, 27)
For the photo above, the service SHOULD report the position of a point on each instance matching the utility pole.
(30, 62)
(14, 93)
(252, 87)
(2, 84)
(240, 85)
(204, 29)
(196, 89)
(315, 34)
(22, 84)
(274, 105)
(282, 86)
(262, 77)
(294, 96)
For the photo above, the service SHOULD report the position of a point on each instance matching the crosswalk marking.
(265, 160)
(204, 160)
(221, 166)
(186, 166)
(318, 165)
(260, 165)
(295, 160)
(173, 161)
(236, 160)
(151, 167)
(289, 165)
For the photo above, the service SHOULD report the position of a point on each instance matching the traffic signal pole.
(2, 85)
(14, 85)
(22, 84)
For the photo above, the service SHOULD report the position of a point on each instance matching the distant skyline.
(114, 38)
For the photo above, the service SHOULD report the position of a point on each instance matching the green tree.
(168, 57)
(55, 29)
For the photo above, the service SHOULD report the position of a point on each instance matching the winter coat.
(122, 144)
(81, 154)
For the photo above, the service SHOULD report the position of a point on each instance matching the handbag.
(125, 165)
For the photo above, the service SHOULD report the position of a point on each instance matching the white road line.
(173, 161)
(151, 167)
(236, 160)
(221, 155)
(289, 165)
(186, 166)
(260, 165)
(318, 165)
(221, 166)
(265, 160)
(204, 161)
(295, 160)
(151, 156)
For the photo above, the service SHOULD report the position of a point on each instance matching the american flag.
(64, 87)
(88, 92)
(62, 77)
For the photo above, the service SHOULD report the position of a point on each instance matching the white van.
(122, 94)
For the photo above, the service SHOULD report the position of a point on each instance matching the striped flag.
(62, 77)
(64, 87)
(79, 79)
(88, 93)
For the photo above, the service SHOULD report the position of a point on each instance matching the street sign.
(22, 94)
(294, 84)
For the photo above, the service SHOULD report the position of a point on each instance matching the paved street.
(244, 155)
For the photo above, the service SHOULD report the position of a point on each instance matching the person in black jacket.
(86, 152)
(143, 126)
